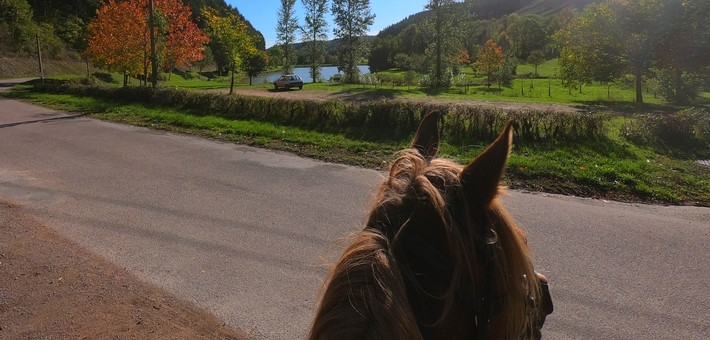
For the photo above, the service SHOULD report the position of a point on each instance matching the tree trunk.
(639, 89)
(231, 84)
(678, 84)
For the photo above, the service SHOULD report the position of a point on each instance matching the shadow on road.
(40, 121)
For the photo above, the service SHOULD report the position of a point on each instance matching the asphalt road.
(246, 233)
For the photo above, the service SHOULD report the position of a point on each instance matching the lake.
(304, 72)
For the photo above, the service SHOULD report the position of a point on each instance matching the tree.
(443, 29)
(255, 63)
(18, 28)
(382, 53)
(314, 35)
(275, 56)
(592, 47)
(640, 24)
(118, 37)
(352, 19)
(683, 47)
(536, 58)
(185, 42)
(127, 53)
(527, 33)
(231, 34)
(286, 33)
(489, 59)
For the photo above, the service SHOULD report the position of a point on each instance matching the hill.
(490, 9)
(552, 7)
(69, 20)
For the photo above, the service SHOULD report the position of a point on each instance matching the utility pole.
(153, 56)
(39, 58)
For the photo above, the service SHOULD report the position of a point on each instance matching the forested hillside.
(62, 25)
(663, 45)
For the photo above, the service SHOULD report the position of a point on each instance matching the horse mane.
(365, 294)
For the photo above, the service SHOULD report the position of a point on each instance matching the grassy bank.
(606, 166)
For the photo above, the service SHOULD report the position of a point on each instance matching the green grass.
(545, 88)
(609, 168)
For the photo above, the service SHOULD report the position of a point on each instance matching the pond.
(304, 72)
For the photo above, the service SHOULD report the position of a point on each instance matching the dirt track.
(355, 96)
(65, 292)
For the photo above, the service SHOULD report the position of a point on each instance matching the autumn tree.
(184, 41)
(231, 34)
(119, 36)
(315, 34)
(352, 19)
(286, 33)
(489, 59)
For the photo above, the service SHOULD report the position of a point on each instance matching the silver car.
(288, 81)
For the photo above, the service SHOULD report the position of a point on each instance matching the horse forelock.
(432, 189)
(421, 194)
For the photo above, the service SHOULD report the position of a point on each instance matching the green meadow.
(628, 162)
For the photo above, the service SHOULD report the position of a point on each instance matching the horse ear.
(481, 177)
(426, 141)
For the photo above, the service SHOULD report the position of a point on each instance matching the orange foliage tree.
(489, 59)
(119, 37)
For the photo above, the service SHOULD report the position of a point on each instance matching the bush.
(684, 133)
(386, 120)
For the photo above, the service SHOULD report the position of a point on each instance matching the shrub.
(386, 120)
(684, 133)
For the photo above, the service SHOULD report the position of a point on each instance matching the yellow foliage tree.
(231, 33)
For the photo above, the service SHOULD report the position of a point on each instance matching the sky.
(263, 14)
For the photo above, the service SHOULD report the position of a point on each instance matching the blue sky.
(262, 14)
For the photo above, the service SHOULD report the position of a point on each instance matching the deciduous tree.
(591, 47)
(352, 19)
(255, 63)
(118, 37)
(315, 34)
(683, 47)
(536, 58)
(443, 31)
(489, 59)
(231, 34)
(286, 33)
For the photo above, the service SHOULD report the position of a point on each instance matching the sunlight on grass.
(610, 167)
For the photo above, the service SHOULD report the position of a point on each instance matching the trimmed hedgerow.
(377, 120)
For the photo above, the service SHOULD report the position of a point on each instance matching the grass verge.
(610, 168)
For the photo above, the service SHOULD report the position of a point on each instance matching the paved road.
(245, 233)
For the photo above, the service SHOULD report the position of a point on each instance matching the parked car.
(288, 81)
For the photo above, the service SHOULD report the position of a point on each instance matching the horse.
(439, 257)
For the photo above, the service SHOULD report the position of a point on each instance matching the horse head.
(439, 258)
